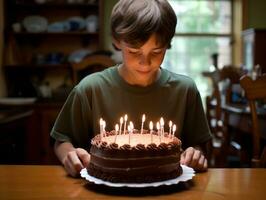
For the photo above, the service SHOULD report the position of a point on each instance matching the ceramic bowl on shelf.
(76, 23)
(58, 27)
(35, 23)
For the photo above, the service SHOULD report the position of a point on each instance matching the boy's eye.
(157, 51)
(133, 51)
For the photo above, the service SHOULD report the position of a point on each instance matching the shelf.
(35, 66)
(74, 33)
(83, 6)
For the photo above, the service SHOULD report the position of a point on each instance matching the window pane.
(203, 16)
(191, 56)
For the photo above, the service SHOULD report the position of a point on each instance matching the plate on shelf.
(35, 24)
(17, 100)
(187, 174)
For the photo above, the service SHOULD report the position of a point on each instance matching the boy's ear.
(116, 44)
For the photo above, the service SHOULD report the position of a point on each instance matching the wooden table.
(51, 182)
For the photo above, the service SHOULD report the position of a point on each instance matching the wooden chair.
(90, 64)
(220, 95)
(255, 90)
(214, 112)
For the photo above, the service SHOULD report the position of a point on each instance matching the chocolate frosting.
(134, 163)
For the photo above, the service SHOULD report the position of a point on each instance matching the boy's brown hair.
(134, 21)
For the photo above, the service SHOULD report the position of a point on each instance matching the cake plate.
(187, 174)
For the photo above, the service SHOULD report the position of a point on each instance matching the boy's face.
(141, 65)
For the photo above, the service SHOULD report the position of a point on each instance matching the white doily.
(187, 174)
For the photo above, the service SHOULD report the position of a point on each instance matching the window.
(204, 28)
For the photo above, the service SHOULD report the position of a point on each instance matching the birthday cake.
(135, 157)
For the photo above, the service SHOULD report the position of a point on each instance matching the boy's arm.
(73, 159)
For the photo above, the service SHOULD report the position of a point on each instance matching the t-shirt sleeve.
(73, 120)
(196, 129)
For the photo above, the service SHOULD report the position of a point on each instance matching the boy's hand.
(194, 158)
(76, 160)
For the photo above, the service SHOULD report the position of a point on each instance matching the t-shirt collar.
(141, 89)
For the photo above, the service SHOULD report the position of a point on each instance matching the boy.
(142, 30)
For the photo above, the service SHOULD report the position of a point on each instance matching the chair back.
(214, 102)
(90, 64)
(255, 90)
(232, 75)
(214, 112)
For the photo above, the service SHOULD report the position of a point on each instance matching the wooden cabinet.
(40, 146)
(33, 56)
(25, 133)
(254, 47)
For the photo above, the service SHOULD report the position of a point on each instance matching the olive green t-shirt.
(108, 96)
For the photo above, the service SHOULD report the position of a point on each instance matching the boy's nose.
(145, 60)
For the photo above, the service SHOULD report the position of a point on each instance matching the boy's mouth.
(144, 71)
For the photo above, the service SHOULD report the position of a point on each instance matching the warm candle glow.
(104, 125)
(158, 126)
(101, 127)
(174, 129)
(158, 129)
(128, 128)
(161, 121)
(129, 131)
(116, 130)
(170, 127)
(162, 126)
(131, 126)
(151, 125)
(142, 123)
(143, 118)
(125, 125)
(121, 123)
(151, 128)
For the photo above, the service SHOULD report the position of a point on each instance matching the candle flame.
(170, 123)
(125, 117)
(158, 125)
(101, 121)
(143, 118)
(116, 127)
(161, 121)
(151, 125)
(174, 128)
(131, 125)
(121, 120)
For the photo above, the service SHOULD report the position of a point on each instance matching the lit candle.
(101, 127)
(121, 124)
(131, 127)
(162, 126)
(174, 129)
(151, 128)
(104, 125)
(125, 125)
(158, 129)
(128, 129)
(142, 123)
(116, 130)
(170, 127)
